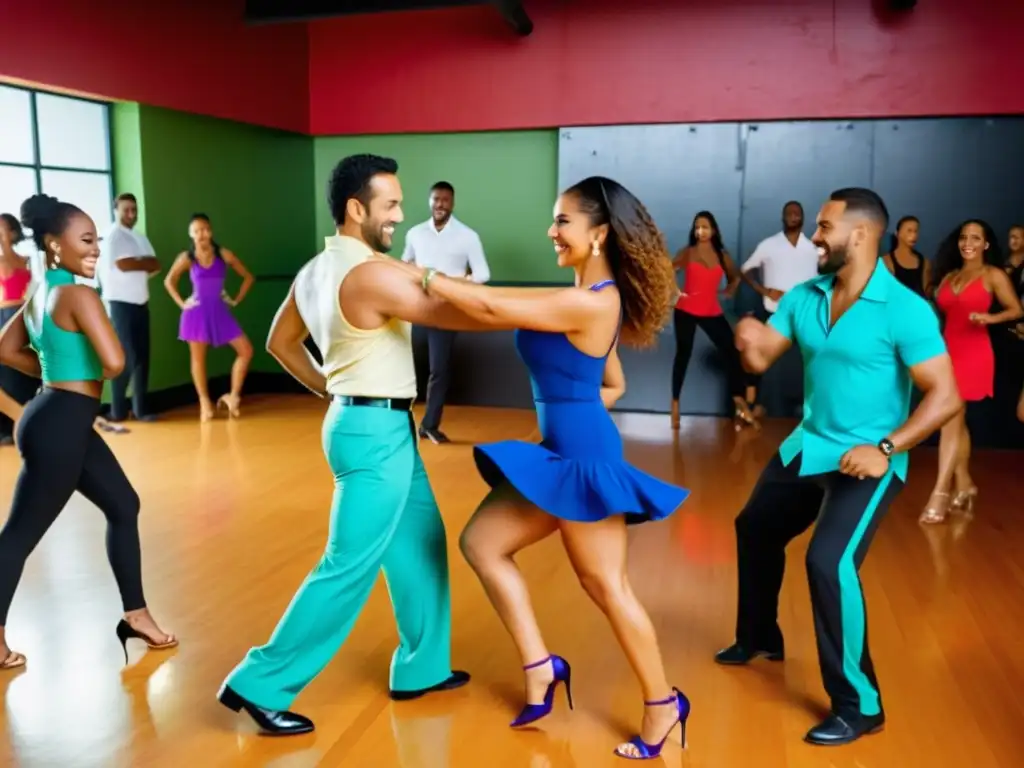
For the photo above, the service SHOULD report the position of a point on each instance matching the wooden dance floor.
(234, 514)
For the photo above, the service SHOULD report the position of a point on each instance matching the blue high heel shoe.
(651, 751)
(531, 713)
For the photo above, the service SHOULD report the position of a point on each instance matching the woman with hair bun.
(576, 482)
(63, 336)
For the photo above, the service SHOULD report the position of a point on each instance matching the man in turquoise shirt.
(865, 340)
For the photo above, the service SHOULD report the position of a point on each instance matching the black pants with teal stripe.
(782, 506)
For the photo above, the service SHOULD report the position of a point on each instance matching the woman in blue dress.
(576, 481)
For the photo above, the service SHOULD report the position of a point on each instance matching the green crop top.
(63, 355)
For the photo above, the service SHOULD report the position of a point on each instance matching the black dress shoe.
(834, 730)
(457, 679)
(434, 435)
(270, 721)
(737, 654)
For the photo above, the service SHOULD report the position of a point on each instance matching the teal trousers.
(383, 518)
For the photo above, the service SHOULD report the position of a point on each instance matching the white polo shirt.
(129, 287)
(453, 251)
(783, 265)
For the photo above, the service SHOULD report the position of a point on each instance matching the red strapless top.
(700, 289)
(14, 285)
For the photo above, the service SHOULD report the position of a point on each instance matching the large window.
(59, 145)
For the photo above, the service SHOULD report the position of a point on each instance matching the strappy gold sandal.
(936, 510)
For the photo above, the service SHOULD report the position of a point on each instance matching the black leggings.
(719, 331)
(62, 453)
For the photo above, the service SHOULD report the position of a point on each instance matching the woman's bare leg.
(504, 524)
(962, 473)
(197, 365)
(239, 368)
(950, 438)
(598, 555)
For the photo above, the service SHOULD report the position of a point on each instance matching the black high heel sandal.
(126, 632)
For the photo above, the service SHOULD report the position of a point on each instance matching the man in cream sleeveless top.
(357, 307)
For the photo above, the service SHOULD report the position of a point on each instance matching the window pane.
(72, 132)
(89, 191)
(16, 184)
(15, 126)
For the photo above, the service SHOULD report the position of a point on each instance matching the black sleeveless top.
(912, 277)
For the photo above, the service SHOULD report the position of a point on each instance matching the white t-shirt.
(783, 265)
(453, 251)
(116, 285)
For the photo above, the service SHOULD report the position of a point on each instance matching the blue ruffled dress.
(577, 472)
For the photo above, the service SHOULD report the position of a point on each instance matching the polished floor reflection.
(235, 513)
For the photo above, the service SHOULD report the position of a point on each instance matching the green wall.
(253, 183)
(505, 186)
(265, 192)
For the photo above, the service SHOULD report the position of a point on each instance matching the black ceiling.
(280, 11)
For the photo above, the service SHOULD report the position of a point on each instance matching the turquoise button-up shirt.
(857, 382)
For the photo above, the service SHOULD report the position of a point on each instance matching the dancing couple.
(357, 306)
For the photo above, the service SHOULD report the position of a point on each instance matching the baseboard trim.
(256, 383)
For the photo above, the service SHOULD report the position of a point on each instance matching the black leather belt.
(391, 403)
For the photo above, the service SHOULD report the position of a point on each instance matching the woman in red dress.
(968, 271)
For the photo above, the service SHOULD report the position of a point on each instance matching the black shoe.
(737, 654)
(436, 436)
(834, 730)
(271, 722)
(457, 680)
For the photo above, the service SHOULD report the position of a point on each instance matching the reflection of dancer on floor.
(64, 337)
(384, 516)
(576, 481)
(968, 274)
(865, 338)
(205, 315)
(705, 262)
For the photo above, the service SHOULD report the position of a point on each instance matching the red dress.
(969, 344)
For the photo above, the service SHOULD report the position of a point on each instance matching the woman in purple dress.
(205, 315)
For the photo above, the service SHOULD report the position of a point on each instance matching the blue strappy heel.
(651, 751)
(531, 713)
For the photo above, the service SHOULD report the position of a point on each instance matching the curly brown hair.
(638, 256)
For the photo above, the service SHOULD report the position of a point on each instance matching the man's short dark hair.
(125, 197)
(444, 186)
(864, 202)
(351, 179)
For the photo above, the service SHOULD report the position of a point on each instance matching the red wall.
(189, 55)
(587, 62)
(640, 61)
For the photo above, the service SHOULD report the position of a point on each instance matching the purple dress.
(210, 321)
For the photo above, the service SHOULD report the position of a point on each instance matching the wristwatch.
(886, 447)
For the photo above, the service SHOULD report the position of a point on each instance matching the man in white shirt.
(446, 244)
(784, 260)
(127, 262)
